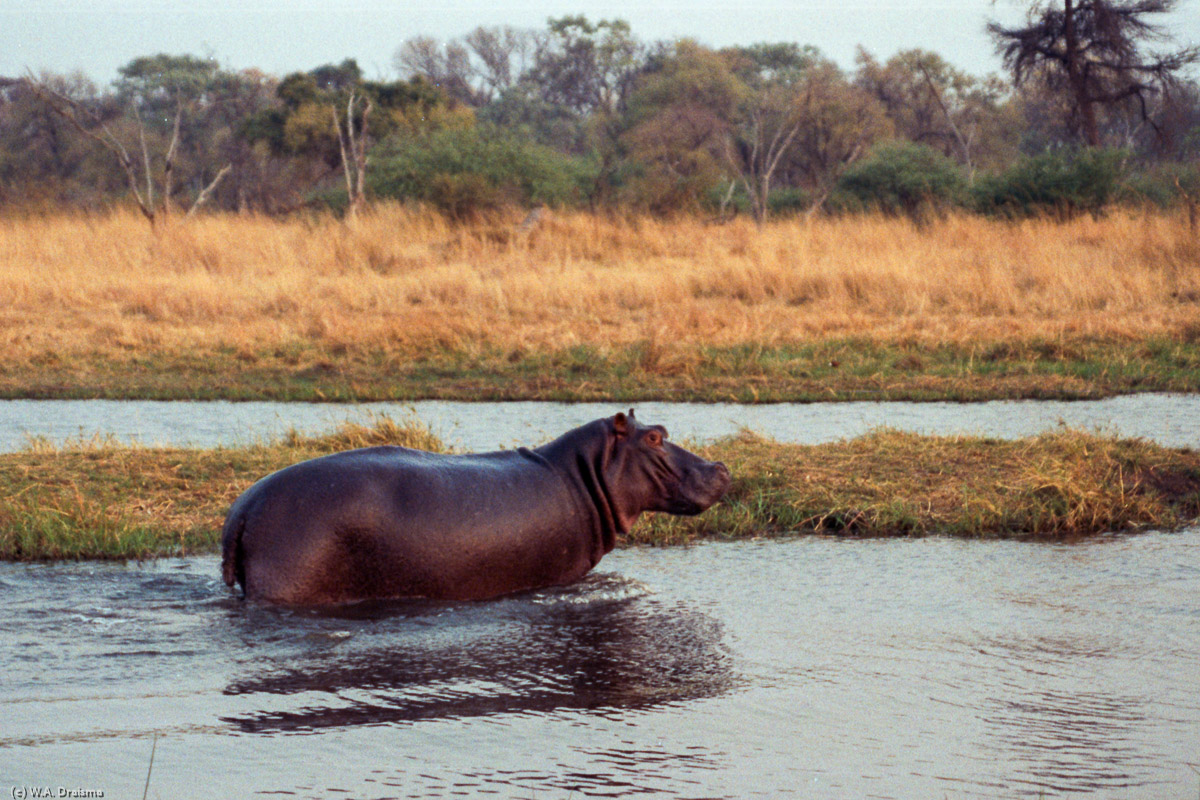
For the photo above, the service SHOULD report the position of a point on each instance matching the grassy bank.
(101, 500)
(844, 369)
(402, 305)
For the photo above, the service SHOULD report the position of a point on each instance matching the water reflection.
(1067, 736)
(541, 653)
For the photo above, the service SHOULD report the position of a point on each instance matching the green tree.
(680, 118)
(163, 83)
(522, 108)
(468, 170)
(1062, 182)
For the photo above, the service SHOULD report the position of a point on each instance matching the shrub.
(464, 195)
(902, 178)
(1062, 182)
(463, 171)
(1163, 185)
(788, 200)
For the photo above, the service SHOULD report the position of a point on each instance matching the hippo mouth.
(700, 489)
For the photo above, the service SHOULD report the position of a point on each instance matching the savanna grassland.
(401, 304)
(103, 500)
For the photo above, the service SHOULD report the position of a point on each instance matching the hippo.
(392, 522)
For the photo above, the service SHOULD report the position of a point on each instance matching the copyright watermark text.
(47, 792)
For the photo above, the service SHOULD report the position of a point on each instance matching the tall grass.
(404, 281)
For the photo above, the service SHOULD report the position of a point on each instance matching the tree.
(769, 115)
(156, 89)
(840, 124)
(501, 55)
(447, 67)
(768, 123)
(801, 122)
(522, 108)
(1095, 53)
(166, 87)
(932, 103)
(466, 171)
(258, 178)
(680, 118)
(475, 69)
(902, 177)
(43, 158)
(331, 115)
(588, 67)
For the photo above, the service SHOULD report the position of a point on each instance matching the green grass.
(100, 500)
(841, 369)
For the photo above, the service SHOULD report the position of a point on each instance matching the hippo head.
(645, 472)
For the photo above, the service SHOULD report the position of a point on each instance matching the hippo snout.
(721, 479)
(703, 486)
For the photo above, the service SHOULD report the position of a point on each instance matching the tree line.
(1097, 106)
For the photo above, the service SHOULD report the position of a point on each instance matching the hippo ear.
(621, 425)
(631, 413)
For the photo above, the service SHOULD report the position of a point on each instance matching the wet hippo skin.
(394, 522)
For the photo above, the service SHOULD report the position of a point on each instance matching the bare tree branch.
(962, 142)
(69, 109)
(169, 166)
(202, 198)
(145, 159)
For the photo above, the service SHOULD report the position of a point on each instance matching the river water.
(809, 667)
(812, 667)
(1169, 419)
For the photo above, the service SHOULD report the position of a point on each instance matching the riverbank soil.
(100, 500)
(402, 305)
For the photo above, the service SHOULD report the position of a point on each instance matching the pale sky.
(97, 36)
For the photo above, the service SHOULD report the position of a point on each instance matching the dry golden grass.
(406, 282)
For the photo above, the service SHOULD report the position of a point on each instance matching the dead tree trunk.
(353, 147)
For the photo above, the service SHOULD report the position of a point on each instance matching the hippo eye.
(654, 438)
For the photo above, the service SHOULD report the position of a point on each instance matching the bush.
(902, 178)
(464, 195)
(1061, 182)
(464, 171)
(1163, 185)
(788, 200)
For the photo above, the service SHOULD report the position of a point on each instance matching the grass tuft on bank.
(104, 500)
(99, 499)
(889, 483)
